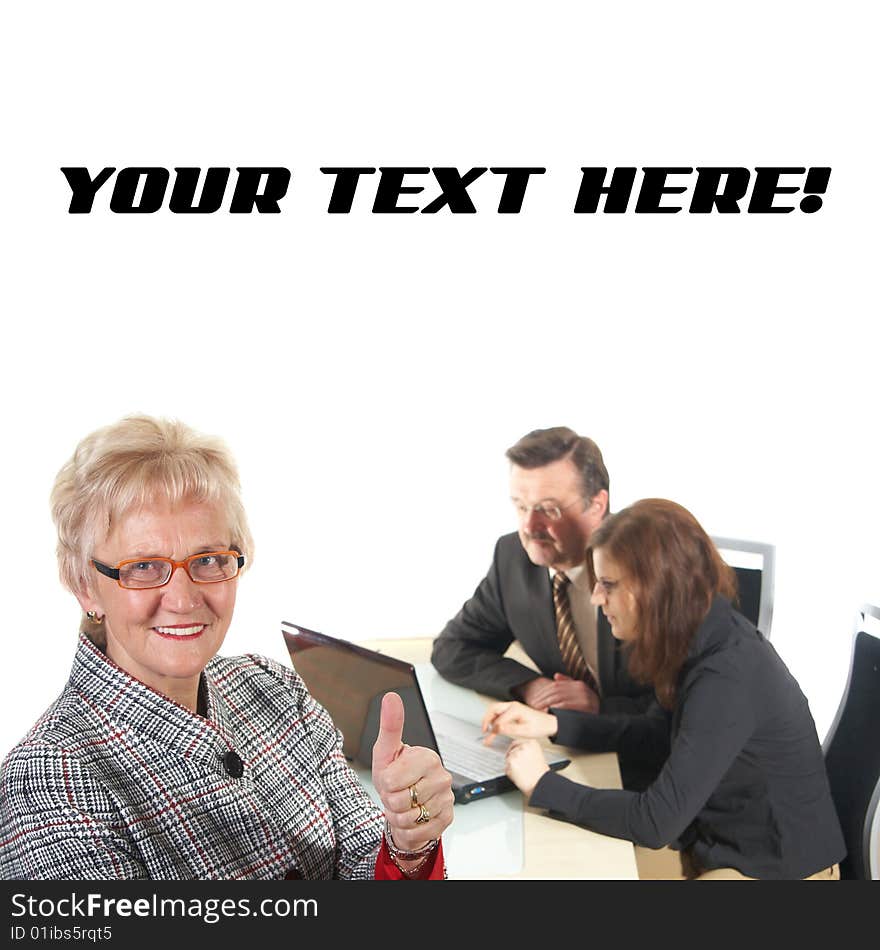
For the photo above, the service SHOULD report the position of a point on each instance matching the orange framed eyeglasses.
(145, 573)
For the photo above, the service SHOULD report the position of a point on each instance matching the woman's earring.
(93, 616)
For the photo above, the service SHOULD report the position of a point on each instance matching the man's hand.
(396, 769)
(562, 692)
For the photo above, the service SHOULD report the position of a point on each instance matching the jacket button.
(233, 764)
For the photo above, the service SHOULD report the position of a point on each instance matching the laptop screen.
(349, 681)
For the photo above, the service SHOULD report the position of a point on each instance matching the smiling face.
(615, 596)
(561, 543)
(166, 635)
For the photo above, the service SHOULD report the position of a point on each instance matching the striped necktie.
(572, 657)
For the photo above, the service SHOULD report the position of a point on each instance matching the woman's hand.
(414, 787)
(525, 765)
(518, 720)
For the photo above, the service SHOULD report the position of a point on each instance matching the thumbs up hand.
(389, 742)
(413, 785)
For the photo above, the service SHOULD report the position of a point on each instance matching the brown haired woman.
(743, 791)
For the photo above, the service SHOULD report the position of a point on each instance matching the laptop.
(349, 681)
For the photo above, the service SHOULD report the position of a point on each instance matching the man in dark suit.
(559, 489)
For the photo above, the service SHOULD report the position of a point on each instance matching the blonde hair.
(131, 464)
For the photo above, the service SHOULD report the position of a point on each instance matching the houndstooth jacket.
(118, 781)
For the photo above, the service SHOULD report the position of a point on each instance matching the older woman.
(162, 760)
(743, 791)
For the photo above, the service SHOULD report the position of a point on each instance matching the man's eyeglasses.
(546, 510)
(212, 567)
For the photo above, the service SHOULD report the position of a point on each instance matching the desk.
(550, 848)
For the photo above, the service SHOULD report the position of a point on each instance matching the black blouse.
(744, 784)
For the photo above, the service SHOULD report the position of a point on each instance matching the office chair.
(852, 755)
(755, 582)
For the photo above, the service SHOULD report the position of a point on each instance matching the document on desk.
(486, 837)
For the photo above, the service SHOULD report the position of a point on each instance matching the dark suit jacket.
(515, 602)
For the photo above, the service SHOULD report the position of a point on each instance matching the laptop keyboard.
(472, 759)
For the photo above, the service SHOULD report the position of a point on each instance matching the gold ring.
(424, 815)
(413, 797)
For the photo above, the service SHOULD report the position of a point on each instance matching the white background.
(369, 371)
